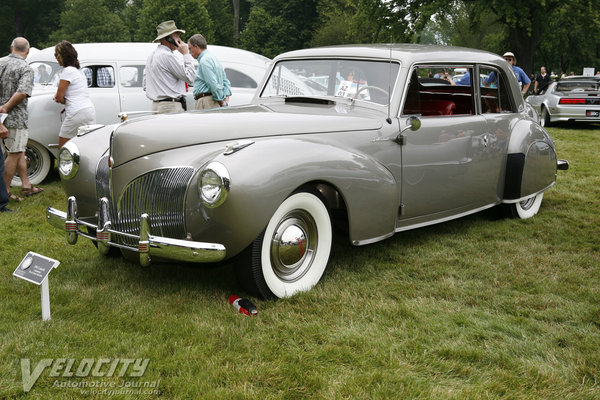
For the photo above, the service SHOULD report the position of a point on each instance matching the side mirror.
(413, 123)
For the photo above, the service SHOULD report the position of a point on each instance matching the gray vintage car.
(362, 136)
(574, 98)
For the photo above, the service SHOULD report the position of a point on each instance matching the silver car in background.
(570, 99)
(355, 136)
(114, 72)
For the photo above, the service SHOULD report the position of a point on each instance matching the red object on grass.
(244, 306)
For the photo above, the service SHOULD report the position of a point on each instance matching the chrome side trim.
(449, 218)
(511, 201)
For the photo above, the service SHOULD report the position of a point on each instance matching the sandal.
(16, 198)
(31, 191)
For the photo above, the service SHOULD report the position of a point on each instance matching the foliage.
(279, 25)
(33, 19)
(85, 21)
(560, 35)
(264, 33)
(189, 15)
(221, 13)
(477, 308)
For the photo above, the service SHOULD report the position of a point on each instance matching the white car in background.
(115, 73)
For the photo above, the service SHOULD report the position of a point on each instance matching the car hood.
(143, 136)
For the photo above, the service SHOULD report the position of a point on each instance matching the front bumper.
(148, 245)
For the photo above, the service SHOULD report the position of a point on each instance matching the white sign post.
(35, 268)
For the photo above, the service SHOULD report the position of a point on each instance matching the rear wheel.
(526, 208)
(545, 118)
(291, 254)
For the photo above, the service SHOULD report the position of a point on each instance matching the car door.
(102, 91)
(132, 96)
(444, 172)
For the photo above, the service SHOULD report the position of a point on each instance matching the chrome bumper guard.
(562, 165)
(148, 245)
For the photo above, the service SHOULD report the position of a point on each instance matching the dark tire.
(545, 118)
(291, 254)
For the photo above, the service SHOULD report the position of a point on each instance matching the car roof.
(408, 53)
(127, 51)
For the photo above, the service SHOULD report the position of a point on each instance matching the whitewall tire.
(38, 164)
(526, 208)
(291, 254)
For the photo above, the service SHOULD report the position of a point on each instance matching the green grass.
(477, 308)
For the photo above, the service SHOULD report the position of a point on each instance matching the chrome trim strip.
(511, 201)
(449, 218)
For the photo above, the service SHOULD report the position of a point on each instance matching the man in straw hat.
(522, 77)
(165, 74)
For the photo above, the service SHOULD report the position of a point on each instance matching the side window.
(131, 75)
(239, 79)
(494, 91)
(440, 90)
(101, 76)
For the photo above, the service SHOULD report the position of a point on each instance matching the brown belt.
(201, 95)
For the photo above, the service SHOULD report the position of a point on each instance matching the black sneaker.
(7, 210)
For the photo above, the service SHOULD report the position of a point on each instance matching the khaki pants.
(206, 102)
(163, 107)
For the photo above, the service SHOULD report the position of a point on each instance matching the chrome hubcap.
(32, 157)
(293, 245)
(526, 204)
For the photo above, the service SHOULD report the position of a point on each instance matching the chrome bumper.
(148, 245)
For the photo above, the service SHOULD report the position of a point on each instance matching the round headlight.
(68, 160)
(214, 184)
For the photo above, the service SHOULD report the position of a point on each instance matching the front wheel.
(38, 164)
(526, 208)
(291, 254)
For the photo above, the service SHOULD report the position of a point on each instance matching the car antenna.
(388, 119)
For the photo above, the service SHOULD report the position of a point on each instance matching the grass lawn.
(477, 308)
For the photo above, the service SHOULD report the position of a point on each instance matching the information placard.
(35, 268)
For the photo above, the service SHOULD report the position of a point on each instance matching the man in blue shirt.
(522, 77)
(211, 86)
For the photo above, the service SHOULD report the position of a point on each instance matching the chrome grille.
(161, 195)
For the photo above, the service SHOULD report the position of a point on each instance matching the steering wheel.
(370, 87)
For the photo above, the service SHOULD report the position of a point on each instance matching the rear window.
(569, 86)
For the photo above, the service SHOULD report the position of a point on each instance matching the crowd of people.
(165, 79)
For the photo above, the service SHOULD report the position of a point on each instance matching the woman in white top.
(73, 93)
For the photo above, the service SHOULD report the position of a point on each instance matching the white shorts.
(16, 142)
(85, 116)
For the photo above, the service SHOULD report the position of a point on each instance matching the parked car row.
(370, 143)
(115, 73)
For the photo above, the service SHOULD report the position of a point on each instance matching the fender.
(531, 162)
(264, 174)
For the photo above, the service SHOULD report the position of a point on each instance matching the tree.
(189, 15)
(282, 24)
(32, 19)
(220, 12)
(265, 34)
(85, 21)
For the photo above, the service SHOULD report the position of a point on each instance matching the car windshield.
(578, 86)
(364, 80)
(45, 73)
